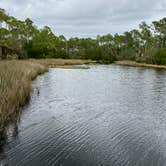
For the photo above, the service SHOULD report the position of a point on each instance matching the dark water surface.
(103, 116)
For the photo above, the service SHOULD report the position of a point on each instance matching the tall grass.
(136, 64)
(63, 62)
(15, 83)
(15, 86)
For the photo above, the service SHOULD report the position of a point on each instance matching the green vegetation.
(22, 39)
(147, 45)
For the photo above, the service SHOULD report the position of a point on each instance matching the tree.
(160, 32)
(3, 16)
(147, 44)
(146, 35)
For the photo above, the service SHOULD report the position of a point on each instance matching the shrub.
(133, 57)
(160, 56)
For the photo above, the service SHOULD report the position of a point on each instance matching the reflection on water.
(104, 116)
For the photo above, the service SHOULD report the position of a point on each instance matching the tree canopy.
(147, 44)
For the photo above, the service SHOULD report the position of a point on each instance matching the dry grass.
(135, 64)
(63, 62)
(15, 82)
(69, 67)
(15, 87)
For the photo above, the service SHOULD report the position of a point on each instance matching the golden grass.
(15, 85)
(135, 64)
(15, 82)
(68, 67)
(63, 62)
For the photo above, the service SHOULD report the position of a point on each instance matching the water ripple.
(107, 115)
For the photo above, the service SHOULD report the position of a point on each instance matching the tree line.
(146, 44)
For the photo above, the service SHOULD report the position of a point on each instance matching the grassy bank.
(135, 64)
(51, 63)
(15, 86)
(15, 82)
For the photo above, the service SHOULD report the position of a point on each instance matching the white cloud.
(87, 17)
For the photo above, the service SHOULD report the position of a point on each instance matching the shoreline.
(68, 67)
(15, 88)
(15, 83)
(136, 64)
(16, 77)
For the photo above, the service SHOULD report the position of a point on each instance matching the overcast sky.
(87, 18)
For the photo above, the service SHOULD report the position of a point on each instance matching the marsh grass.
(15, 86)
(136, 64)
(15, 83)
(63, 62)
(69, 67)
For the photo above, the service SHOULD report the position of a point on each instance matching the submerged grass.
(15, 86)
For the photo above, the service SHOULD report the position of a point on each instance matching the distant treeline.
(148, 44)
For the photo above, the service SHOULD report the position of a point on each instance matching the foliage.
(160, 56)
(133, 57)
(144, 45)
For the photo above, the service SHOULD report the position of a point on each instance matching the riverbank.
(136, 64)
(15, 82)
(63, 63)
(15, 86)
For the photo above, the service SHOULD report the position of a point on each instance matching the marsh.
(105, 115)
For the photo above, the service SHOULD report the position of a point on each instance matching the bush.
(149, 55)
(160, 56)
(141, 59)
(133, 57)
(125, 54)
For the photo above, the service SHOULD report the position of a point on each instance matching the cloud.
(88, 17)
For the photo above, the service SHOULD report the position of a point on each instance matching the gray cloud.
(87, 17)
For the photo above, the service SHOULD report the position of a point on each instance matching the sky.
(87, 18)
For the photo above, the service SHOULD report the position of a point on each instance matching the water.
(103, 116)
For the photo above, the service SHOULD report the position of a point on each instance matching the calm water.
(103, 116)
